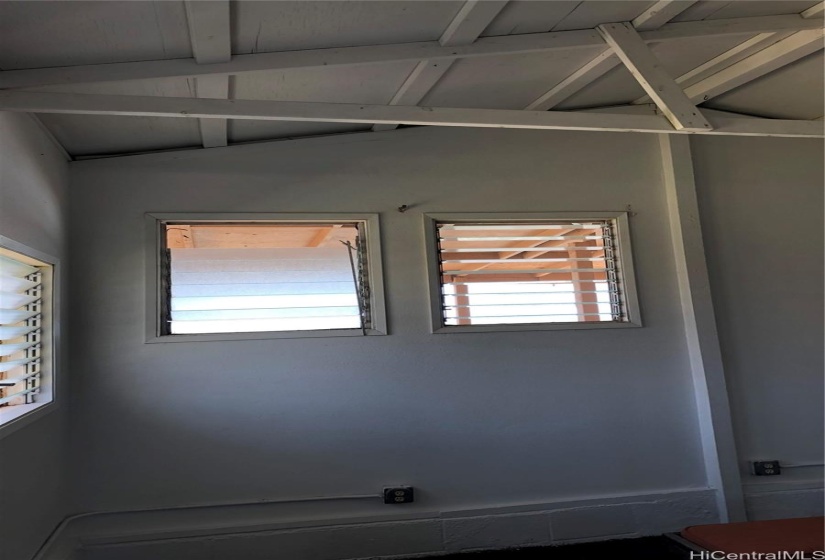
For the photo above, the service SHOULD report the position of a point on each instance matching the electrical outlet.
(399, 495)
(766, 468)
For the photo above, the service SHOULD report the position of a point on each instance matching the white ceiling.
(66, 33)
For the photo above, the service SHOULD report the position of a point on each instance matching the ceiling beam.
(587, 74)
(653, 18)
(724, 60)
(470, 22)
(767, 60)
(210, 34)
(186, 107)
(375, 54)
(814, 11)
(660, 13)
(734, 55)
(647, 69)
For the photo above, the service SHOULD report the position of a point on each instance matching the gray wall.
(33, 180)
(469, 419)
(761, 202)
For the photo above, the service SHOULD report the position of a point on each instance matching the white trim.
(624, 260)
(153, 243)
(373, 534)
(179, 107)
(485, 46)
(712, 405)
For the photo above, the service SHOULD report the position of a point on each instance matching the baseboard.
(784, 500)
(262, 535)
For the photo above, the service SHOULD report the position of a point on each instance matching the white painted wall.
(33, 208)
(471, 420)
(761, 205)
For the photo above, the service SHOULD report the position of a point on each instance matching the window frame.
(15, 417)
(155, 223)
(624, 264)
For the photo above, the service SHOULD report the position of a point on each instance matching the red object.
(806, 534)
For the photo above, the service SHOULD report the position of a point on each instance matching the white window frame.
(624, 263)
(154, 242)
(12, 418)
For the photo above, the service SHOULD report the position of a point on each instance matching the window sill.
(269, 335)
(458, 329)
(12, 418)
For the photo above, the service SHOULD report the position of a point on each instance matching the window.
(26, 345)
(285, 277)
(536, 271)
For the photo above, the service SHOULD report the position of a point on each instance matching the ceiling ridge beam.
(669, 97)
(470, 22)
(781, 53)
(378, 54)
(187, 107)
(652, 18)
(210, 34)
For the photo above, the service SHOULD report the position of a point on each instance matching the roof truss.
(184, 107)
(401, 52)
(468, 24)
(771, 42)
(653, 18)
(642, 63)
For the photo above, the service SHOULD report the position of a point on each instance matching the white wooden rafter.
(742, 52)
(724, 60)
(648, 71)
(653, 18)
(468, 24)
(376, 54)
(210, 34)
(186, 107)
(782, 53)
(660, 13)
(816, 11)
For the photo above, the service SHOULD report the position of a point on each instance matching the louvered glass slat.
(14, 316)
(505, 249)
(12, 364)
(12, 381)
(8, 333)
(522, 260)
(11, 300)
(16, 284)
(517, 227)
(18, 394)
(296, 284)
(9, 349)
(20, 331)
(520, 273)
(464, 272)
(12, 267)
(522, 238)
